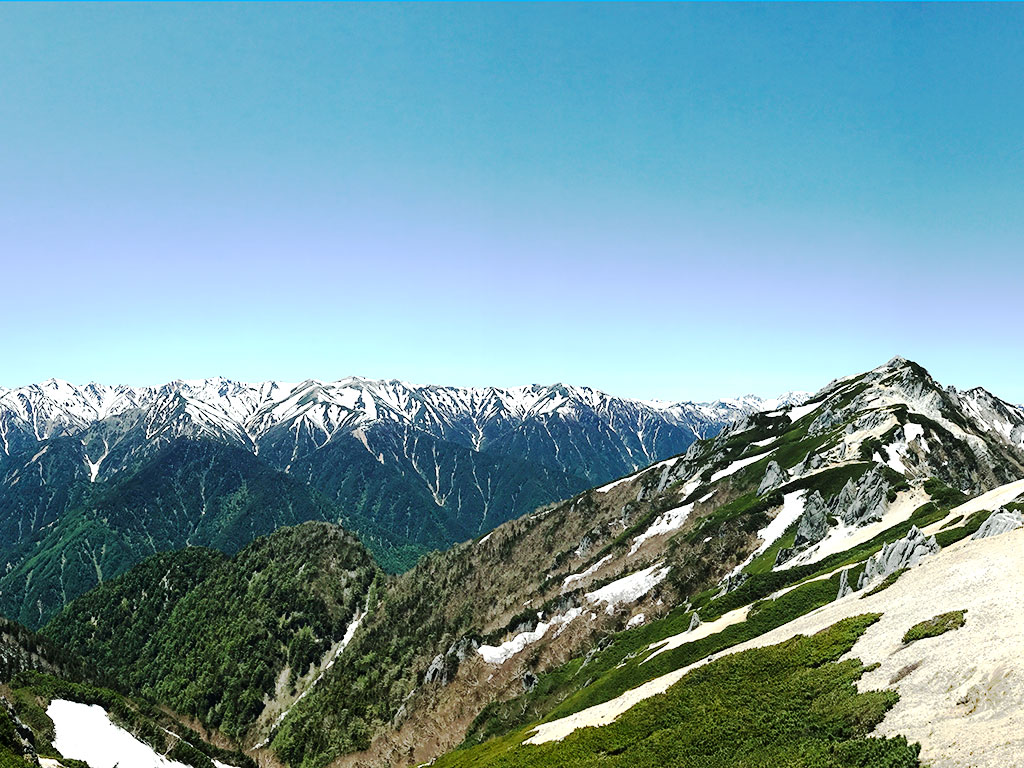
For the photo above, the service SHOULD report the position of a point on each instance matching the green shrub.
(793, 704)
(887, 582)
(935, 626)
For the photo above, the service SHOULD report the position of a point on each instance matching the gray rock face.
(735, 581)
(774, 476)
(902, 553)
(813, 524)
(694, 622)
(844, 584)
(444, 665)
(827, 420)
(23, 737)
(783, 555)
(811, 462)
(529, 681)
(1000, 521)
(437, 672)
(865, 502)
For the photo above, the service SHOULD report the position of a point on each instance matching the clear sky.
(671, 201)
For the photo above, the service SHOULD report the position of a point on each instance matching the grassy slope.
(788, 705)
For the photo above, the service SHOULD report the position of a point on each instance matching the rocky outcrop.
(22, 740)
(813, 523)
(844, 584)
(783, 555)
(444, 665)
(530, 681)
(865, 501)
(694, 622)
(811, 462)
(902, 553)
(437, 672)
(827, 421)
(774, 477)
(734, 581)
(1000, 521)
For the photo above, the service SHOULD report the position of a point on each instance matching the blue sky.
(658, 200)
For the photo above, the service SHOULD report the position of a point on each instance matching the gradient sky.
(657, 200)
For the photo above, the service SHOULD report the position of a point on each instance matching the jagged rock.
(811, 462)
(774, 476)
(437, 672)
(827, 421)
(694, 622)
(813, 524)
(869, 422)
(464, 648)
(734, 581)
(23, 735)
(1000, 521)
(783, 555)
(583, 548)
(902, 553)
(844, 584)
(529, 681)
(863, 502)
(444, 665)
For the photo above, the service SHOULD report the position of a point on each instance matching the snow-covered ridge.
(243, 412)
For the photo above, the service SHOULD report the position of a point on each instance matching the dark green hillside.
(213, 647)
(111, 623)
(191, 493)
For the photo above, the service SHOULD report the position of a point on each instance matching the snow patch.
(628, 478)
(84, 732)
(792, 508)
(573, 578)
(665, 522)
(737, 465)
(630, 588)
(797, 413)
(499, 654)
(700, 631)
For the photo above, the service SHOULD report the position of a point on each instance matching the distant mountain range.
(95, 477)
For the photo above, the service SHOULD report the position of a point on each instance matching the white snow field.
(84, 732)
(666, 522)
(499, 654)
(736, 466)
(963, 696)
(630, 588)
